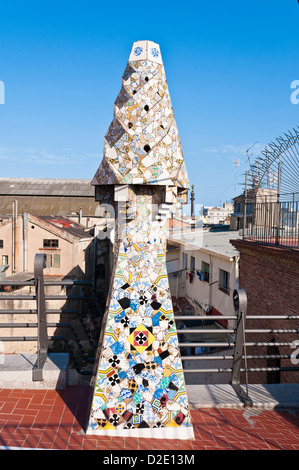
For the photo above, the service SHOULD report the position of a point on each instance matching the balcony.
(273, 223)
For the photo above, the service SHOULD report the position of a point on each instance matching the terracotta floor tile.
(89, 444)
(48, 436)
(60, 442)
(37, 399)
(44, 445)
(145, 445)
(31, 441)
(54, 419)
(16, 442)
(23, 403)
(8, 407)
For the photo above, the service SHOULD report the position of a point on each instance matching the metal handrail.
(30, 338)
(42, 349)
(66, 282)
(34, 311)
(240, 345)
(205, 317)
(47, 297)
(42, 325)
(203, 357)
(200, 330)
(236, 335)
(33, 325)
(207, 344)
(273, 223)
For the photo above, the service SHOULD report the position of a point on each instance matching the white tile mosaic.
(143, 127)
(140, 382)
(139, 386)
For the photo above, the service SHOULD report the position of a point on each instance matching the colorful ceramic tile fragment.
(142, 144)
(139, 388)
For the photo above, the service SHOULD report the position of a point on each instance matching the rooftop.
(63, 224)
(214, 242)
(46, 187)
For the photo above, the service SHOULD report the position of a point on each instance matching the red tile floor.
(49, 419)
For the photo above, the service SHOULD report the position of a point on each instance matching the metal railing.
(239, 346)
(275, 223)
(42, 338)
(234, 337)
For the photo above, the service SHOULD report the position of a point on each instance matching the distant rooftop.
(43, 196)
(46, 187)
(216, 242)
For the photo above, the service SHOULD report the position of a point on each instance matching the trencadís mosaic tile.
(142, 144)
(139, 387)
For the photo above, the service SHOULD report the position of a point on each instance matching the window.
(4, 259)
(53, 261)
(249, 208)
(1, 243)
(50, 243)
(192, 264)
(185, 261)
(56, 261)
(205, 269)
(224, 281)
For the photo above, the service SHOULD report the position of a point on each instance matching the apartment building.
(203, 267)
(65, 243)
(217, 215)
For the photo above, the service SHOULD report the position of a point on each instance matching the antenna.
(249, 156)
(236, 164)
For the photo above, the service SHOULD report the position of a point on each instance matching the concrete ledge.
(267, 396)
(16, 371)
(213, 396)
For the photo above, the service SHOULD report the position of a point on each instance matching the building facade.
(66, 244)
(217, 215)
(205, 271)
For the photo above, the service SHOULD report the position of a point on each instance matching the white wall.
(208, 293)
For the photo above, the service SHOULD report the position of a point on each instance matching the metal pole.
(16, 238)
(245, 206)
(25, 237)
(278, 204)
(192, 208)
(13, 237)
(240, 305)
(42, 342)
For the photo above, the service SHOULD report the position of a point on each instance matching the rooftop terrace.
(52, 419)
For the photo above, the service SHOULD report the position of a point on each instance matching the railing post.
(245, 208)
(42, 341)
(240, 305)
(278, 205)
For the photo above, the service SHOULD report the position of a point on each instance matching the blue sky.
(229, 67)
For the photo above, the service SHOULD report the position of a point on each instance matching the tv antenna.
(249, 156)
(278, 166)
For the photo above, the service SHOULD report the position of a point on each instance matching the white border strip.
(152, 433)
(21, 448)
